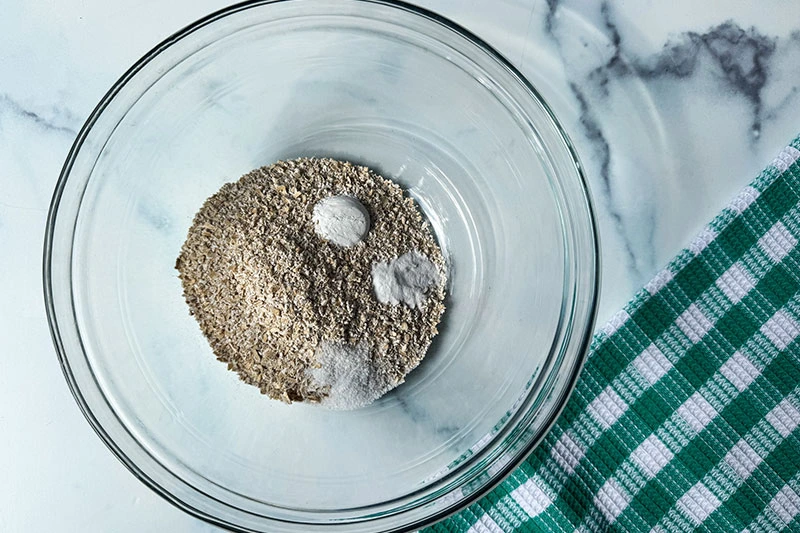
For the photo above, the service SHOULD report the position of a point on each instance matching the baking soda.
(405, 279)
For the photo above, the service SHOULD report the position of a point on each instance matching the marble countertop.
(673, 107)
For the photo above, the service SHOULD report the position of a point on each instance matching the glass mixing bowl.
(421, 101)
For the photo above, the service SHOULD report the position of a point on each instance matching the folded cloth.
(686, 414)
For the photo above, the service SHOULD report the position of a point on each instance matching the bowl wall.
(379, 84)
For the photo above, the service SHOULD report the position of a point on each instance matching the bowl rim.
(585, 336)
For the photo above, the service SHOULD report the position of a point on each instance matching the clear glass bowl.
(422, 102)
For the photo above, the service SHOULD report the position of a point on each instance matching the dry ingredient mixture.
(315, 280)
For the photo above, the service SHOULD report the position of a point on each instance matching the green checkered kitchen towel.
(686, 415)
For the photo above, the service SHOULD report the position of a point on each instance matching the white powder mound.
(343, 220)
(349, 372)
(405, 279)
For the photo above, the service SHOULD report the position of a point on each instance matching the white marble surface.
(673, 107)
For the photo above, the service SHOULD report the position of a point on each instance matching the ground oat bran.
(266, 289)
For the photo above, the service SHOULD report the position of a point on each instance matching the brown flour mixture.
(270, 294)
